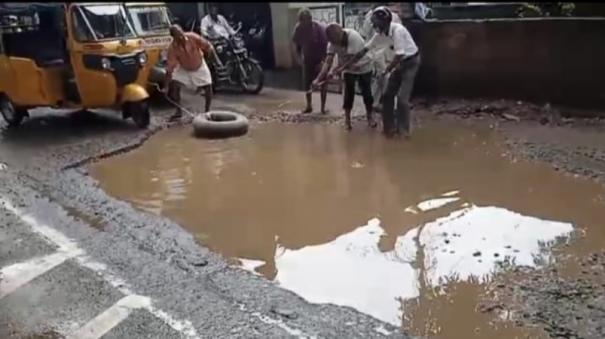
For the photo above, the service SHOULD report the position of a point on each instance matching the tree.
(549, 9)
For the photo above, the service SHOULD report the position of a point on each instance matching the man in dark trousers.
(310, 41)
(403, 59)
(346, 43)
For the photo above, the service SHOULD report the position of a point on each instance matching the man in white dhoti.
(187, 67)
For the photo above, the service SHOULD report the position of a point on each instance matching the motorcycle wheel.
(256, 78)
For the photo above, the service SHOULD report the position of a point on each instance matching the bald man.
(187, 67)
(309, 41)
(346, 43)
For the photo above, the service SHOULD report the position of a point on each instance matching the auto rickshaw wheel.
(11, 114)
(139, 112)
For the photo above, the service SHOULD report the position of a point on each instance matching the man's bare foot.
(372, 123)
(176, 116)
(348, 125)
(325, 111)
(307, 110)
(389, 134)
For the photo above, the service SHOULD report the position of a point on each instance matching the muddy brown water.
(408, 232)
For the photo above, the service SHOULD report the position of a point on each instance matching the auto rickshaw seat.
(44, 49)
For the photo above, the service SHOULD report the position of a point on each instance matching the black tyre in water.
(11, 114)
(253, 84)
(219, 124)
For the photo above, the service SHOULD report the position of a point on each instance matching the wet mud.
(412, 233)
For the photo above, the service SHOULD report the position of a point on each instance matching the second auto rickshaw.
(151, 22)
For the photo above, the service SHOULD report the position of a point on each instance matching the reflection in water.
(435, 203)
(466, 245)
(350, 271)
(288, 201)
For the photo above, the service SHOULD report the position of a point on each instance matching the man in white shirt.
(346, 43)
(421, 10)
(379, 80)
(215, 25)
(396, 43)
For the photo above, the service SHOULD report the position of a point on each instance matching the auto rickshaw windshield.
(152, 20)
(101, 22)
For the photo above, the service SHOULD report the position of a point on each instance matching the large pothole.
(410, 232)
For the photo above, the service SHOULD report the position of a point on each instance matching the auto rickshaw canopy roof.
(16, 8)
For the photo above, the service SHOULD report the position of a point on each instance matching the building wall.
(544, 60)
(281, 34)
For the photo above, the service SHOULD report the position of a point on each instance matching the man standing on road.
(404, 60)
(346, 43)
(187, 67)
(310, 41)
(214, 25)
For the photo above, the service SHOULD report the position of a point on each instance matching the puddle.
(408, 232)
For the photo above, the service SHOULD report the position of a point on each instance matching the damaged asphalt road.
(107, 253)
(101, 254)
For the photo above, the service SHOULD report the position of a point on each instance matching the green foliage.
(546, 9)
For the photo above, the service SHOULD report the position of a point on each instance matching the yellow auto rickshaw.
(151, 22)
(71, 55)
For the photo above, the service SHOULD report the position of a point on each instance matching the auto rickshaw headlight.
(106, 64)
(142, 58)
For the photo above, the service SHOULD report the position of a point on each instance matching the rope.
(175, 103)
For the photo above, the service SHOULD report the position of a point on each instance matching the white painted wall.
(281, 34)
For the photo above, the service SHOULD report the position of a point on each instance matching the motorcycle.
(235, 67)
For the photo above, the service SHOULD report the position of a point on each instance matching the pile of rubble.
(508, 110)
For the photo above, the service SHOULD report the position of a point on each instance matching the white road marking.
(19, 274)
(110, 318)
(184, 327)
(51, 235)
(69, 247)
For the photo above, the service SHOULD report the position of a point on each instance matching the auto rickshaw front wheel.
(138, 111)
(11, 114)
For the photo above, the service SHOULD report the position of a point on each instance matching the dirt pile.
(508, 110)
(564, 308)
